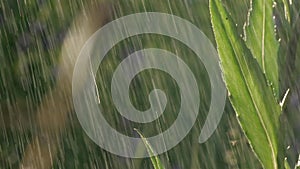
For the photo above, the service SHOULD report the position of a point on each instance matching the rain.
(39, 127)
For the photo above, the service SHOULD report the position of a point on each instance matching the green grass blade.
(154, 159)
(260, 39)
(286, 164)
(252, 99)
(287, 13)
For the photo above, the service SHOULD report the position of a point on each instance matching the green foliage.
(252, 98)
(32, 33)
(154, 159)
(260, 39)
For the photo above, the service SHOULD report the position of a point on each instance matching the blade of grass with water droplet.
(287, 12)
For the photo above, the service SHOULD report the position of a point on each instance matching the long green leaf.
(260, 39)
(154, 159)
(287, 13)
(251, 97)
